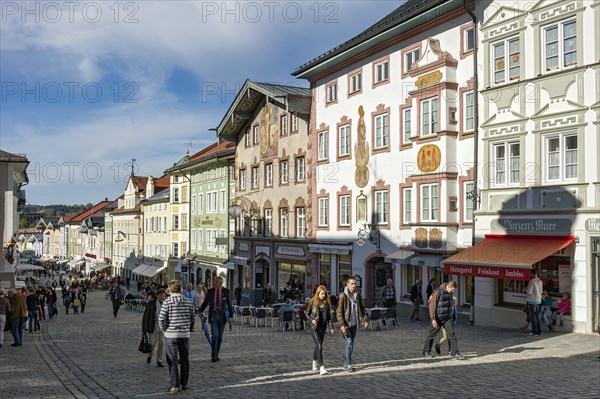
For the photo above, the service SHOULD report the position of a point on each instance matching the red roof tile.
(91, 211)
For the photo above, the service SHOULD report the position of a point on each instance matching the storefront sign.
(505, 273)
(532, 226)
(429, 158)
(207, 221)
(293, 251)
(592, 225)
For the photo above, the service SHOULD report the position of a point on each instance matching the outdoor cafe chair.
(375, 318)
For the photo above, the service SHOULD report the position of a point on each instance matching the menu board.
(564, 278)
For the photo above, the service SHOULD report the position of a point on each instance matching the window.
(507, 60)
(344, 270)
(381, 207)
(344, 140)
(331, 93)
(248, 138)
(469, 40)
(300, 223)
(175, 224)
(242, 179)
(268, 222)
(561, 157)
(222, 233)
(381, 131)
(200, 203)
(407, 121)
(199, 239)
(255, 135)
(176, 179)
(184, 221)
(503, 163)
(284, 172)
(429, 116)
(269, 174)
(211, 239)
(323, 212)
(184, 194)
(468, 207)
(284, 125)
(176, 195)
(165, 223)
(211, 202)
(193, 239)
(407, 207)
(355, 82)
(560, 45)
(469, 111)
(283, 230)
(176, 249)
(223, 201)
(410, 58)
(323, 144)
(429, 202)
(344, 210)
(255, 177)
(300, 169)
(193, 204)
(294, 123)
(381, 72)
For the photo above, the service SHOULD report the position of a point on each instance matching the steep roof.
(139, 182)
(95, 209)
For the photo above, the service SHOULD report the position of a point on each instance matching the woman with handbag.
(150, 326)
(319, 315)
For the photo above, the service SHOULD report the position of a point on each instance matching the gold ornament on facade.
(430, 79)
(435, 238)
(429, 158)
(421, 238)
(361, 149)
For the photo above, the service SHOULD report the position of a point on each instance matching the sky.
(88, 86)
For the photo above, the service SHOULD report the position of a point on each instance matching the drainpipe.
(475, 147)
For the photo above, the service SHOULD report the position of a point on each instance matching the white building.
(157, 240)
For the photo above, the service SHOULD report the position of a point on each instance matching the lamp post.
(371, 233)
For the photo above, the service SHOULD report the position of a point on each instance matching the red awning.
(504, 256)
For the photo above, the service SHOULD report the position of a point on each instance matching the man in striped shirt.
(174, 320)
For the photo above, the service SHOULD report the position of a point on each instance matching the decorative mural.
(361, 149)
(435, 238)
(421, 238)
(429, 158)
(269, 131)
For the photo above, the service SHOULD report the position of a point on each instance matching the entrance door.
(595, 284)
(382, 271)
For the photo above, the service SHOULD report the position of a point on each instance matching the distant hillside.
(49, 211)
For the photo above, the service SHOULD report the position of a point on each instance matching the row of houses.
(450, 140)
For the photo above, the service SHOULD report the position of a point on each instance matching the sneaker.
(348, 368)
(438, 349)
(458, 356)
(173, 390)
(185, 387)
(323, 371)
(148, 359)
(315, 366)
(428, 355)
(159, 364)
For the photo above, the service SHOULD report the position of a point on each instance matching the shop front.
(334, 264)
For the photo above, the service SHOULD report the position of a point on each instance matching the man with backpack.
(441, 311)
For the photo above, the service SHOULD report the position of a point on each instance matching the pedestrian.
(190, 295)
(150, 326)
(18, 308)
(534, 301)
(32, 311)
(440, 312)
(51, 302)
(416, 296)
(318, 313)
(83, 299)
(4, 313)
(268, 295)
(388, 294)
(116, 296)
(237, 293)
(350, 312)
(564, 306)
(175, 317)
(41, 293)
(199, 295)
(66, 296)
(75, 300)
(438, 346)
(219, 304)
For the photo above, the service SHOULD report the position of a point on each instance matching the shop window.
(290, 281)
(344, 270)
(325, 270)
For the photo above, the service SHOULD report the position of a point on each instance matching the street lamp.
(371, 233)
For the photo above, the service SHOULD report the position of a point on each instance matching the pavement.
(94, 355)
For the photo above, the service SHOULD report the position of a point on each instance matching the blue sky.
(88, 87)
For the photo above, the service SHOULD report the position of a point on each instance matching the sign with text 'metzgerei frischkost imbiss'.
(506, 273)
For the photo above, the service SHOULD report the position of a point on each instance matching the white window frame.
(193, 239)
(560, 43)
(506, 60)
(323, 145)
(284, 222)
(175, 222)
(468, 186)
(323, 212)
(562, 155)
(268, 222)
(382, 131)
(284, 125)
(193, 204)
(331, 93)
(175, 249)
(429, 118)
(200, 204)
(255, 177)
(294, 122)
(466, 32)
(248, 138)
(407, 200)
(300, 169)
(344, 210)
(223, 197)
(243, 177)
(355, 82)
(406, 125)
(199, 239)
(269, 175)
(469, 114)
(506, 171)
(410, 58)
(344, 140)
(300, 222)
(212, 202)
(176, 198)
(284, 172)
(255, 135)
(381, 72)
(430, 203)
(184, 221)
(382, 207)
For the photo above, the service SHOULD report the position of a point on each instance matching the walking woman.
(51, 302)
(319, 314)
(150, 325)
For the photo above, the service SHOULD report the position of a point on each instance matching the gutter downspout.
(475, 147)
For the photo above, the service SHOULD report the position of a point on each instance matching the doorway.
(378, 271)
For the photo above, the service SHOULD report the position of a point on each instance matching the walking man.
(416, 297)
(441, 311)
(190, 295)
(350, 311)
(218, 302)
(116, 296)
(534, 302)
(388, 294)
(174, 319)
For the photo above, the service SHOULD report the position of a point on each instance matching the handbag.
(145, 346)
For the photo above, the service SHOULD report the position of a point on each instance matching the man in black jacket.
(417, 299)
(150, 326)
(218, 302)
(441, 309)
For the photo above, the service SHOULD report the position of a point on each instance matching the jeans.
(318, 335)
(217, 328)
(178, 357)
(116, 306)
(2, 323)
(416, 310)
(349, 345)
(16, 329)
(536, 318)
(67, 306)
(32, 317)
(448, 325)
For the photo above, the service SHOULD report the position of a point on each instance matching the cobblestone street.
(94, 355)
